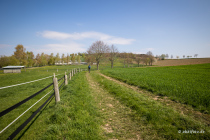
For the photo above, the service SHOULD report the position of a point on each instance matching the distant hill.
(176, 62)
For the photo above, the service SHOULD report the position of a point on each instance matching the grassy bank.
(187, 84)
(13, 95)
(155, 120)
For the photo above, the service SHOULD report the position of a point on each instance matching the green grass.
(13, 95)
(155, 120)
(74, 117)
(186, 84)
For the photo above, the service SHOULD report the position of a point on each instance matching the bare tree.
(113, 55)
(151, 57)
(167, 56)
(138, 59)
(124, 56)
(129, 58)
(145, 59)
(98, 49)
(196, 55)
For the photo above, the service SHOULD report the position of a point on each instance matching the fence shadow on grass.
(34, 119)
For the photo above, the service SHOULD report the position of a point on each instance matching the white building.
(12, 69)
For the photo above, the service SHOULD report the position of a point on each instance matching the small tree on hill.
(162, 56)
(151, 57)
(113, 55)
(98, 49)
(196, 55)
(138, 59)
(123, 56)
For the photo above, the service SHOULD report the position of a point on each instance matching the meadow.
(81, 113)
(12, 95)
(154, 120)
(74, 117)
(187, 84)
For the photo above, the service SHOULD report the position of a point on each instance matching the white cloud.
(149, 49)
(86, 35)
(61, 48)
(54, 35)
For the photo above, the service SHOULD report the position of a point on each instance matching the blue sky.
(174, 27)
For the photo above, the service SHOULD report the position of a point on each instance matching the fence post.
(70, 76)
(56, 89)
(66, 81)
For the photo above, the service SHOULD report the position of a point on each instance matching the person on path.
(89, 68)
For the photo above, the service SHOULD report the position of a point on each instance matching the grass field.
(154, 120)
(94, 107)
(74, 117)
(188, 84)
(13, 95)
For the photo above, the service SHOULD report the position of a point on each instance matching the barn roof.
(13, 67)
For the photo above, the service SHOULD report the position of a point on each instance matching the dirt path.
(117, 123)
(182, 108)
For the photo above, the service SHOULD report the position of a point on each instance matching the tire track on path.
(117, 123)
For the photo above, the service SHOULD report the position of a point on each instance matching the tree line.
(97, 53)
(28, 59)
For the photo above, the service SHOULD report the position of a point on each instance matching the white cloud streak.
(149, 49)
(62, 48)
(86, 35)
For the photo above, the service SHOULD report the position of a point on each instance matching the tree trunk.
(97, 65)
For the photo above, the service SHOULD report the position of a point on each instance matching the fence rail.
(23, 101)
(27, 82)
(65, 77)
